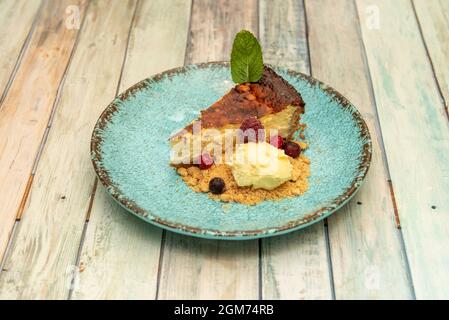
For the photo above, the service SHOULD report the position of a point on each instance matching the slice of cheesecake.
(272, 100)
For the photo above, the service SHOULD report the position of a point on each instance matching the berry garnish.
(277, 141)
(292, 149)
(251, 123)
(216, 185)
(206, 161)
(254, 124)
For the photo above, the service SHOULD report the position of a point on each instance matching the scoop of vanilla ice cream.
(260, 165)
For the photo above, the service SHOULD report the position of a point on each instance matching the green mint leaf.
(246, 58)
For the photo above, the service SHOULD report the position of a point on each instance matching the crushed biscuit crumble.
(198, 180)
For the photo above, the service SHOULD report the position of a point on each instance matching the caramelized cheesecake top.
(270, 94)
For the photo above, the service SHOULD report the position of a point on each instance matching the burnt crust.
(271, 94)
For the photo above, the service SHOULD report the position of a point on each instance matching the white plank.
(293, 266)
(26, 109)
(433, 17)
(41, 262)
(364, 241)
(416, 138)
(119, 249)
(282, 33)
(120, 254)
(17, 18)
(203, 269)
(208, 269)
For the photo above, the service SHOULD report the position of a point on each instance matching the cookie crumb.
(198, 180)
(302, 145)
(182, 172)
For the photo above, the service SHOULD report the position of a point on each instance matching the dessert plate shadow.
(130, 153)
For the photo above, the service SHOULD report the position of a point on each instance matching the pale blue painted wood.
(416, 136)
(197, 268)
(433, 17)
(364, 241)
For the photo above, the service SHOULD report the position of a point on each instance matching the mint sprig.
(246, 58)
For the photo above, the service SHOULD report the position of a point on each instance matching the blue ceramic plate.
(130, 153)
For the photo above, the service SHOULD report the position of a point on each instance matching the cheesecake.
(271, 100)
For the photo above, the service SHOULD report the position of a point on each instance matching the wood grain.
(42, 259)
(416, 138)
(283, 35)
(295, 266)
(17, 18)
(27, 107)
(364, 241)
(204, 269)
(433, 17)
(120, 255)
(282, 27)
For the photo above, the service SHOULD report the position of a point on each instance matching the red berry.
(254, 124)
(277, 141)
(292, 149)
(206, 161)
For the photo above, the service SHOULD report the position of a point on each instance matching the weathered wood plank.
(365, 247)
(158, 39)
(17, 18)
(295, 266)
(120, 255)
(214, 25)
(208, 269)
(197, 268)
(282, 33)
(282, 28)
(27, 106)
(433, 17)
(41, 262)
(416, 138)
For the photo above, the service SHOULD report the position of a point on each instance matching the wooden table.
(63, 61)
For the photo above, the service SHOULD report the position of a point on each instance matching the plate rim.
(311, 218)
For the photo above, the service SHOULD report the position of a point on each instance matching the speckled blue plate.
(130, 153)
